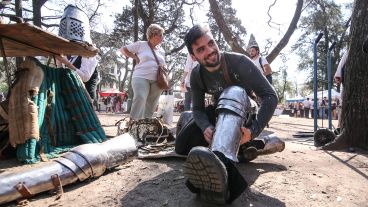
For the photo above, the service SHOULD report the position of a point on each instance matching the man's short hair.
(193, 34)
(255, 47)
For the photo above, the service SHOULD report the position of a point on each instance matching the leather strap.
(154, 54)
(58, 186)
(225, 70)
(23, 190)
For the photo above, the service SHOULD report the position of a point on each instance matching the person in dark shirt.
(217, 71)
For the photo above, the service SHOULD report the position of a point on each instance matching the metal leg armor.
(82, 162)
(263, 145)
(233, 109)
(272, 144)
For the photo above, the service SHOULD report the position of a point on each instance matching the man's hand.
(247, 135)
(208, 134)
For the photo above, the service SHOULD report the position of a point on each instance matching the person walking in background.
(185, 82)
(144, 80)
(307, 106)
(261, 62)
(107, 102)
(312, 108)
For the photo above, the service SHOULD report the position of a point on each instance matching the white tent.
(295, 99)
(321, 94)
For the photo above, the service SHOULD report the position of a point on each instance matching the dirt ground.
(301, 175)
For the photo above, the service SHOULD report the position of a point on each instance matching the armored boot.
(212, 172)
(261, 146)
(206, 175)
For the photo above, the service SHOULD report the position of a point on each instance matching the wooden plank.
(24, 39)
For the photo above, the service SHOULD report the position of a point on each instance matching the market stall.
(48, 111)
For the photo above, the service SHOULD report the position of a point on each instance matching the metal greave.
(233, 109)
(227, 135)
(82, 162)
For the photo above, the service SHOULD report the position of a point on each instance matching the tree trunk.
(225, 30)
(36, 12)
(234, 43)
(18, 13)
(355, 94)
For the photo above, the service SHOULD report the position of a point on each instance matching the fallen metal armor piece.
(272, 145)
(146, 131)
(23, 113)
(82, 162)
(154, 139)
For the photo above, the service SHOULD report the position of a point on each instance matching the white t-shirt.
(189, 65)
(307, 103)
(256, 62)
(88, 66)
(147, 66)
(341, 65)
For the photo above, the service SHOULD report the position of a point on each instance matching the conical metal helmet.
(74, 25)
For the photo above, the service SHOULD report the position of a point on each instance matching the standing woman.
(146, 91)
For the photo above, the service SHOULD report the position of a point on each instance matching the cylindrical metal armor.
(272, 144)
(82, 162)
(233, 108)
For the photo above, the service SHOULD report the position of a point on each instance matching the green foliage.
(4, 87)
(280, 81)
(321, 16)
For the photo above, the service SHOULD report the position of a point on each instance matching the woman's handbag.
(162, 80)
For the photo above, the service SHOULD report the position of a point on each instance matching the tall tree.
(281, 82)
(321, 16)
(355, 96)
(236, 43)
(225, 25)
(36, 5)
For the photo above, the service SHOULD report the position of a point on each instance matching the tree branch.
(175, 50)
(284, 40)
(176, 17)
(94, 13)
(229, 37)
(270, 17)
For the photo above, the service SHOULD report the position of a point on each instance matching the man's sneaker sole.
(206, 172)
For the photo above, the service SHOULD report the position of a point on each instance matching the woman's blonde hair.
(154, 29)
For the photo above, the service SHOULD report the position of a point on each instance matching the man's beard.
(208, 64)
(252, 56)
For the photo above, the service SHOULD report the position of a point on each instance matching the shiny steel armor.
(233, 109)
(74, 25)
(82, 162)
(272, 145)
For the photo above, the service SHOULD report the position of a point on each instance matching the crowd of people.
(114, 103)
(305, 109)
